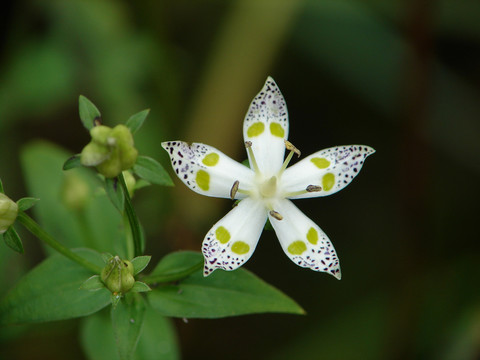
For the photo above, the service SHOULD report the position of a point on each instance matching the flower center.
(268, 188)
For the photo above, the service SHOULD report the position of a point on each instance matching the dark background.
(400, 76)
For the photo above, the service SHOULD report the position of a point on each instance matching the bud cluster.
(111, 150)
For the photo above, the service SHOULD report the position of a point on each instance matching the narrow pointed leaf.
(88, 112)
(51, 291)
(72, 162)
(115, 194)
(151, 171)
(26, 203)
(221, 294)
(93, 283)
(176, 266)
(127, 321)
(12, 240)
(140, 287)
(135, 121)
(1, 187)
(139, 263)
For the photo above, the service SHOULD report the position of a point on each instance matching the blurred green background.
(400, 76)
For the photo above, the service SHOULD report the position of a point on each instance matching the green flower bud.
(111, 150)
(127, 153)
(117, 275)
(100, 134)
(8, 212)
(75, 192)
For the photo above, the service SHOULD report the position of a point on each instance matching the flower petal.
(332, 169)
(207, 170)
(303, 241)
(266, 126)
(232, 240)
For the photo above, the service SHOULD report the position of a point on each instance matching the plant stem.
(152, 279)
(132, 218)
(41, 234)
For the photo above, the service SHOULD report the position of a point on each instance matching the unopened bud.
(8, 212)
(117, 275)
(111, 150)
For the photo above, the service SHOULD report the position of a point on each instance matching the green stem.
(41, 234)
(164, 278)
(132, 218)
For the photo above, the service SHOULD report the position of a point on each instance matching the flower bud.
(8, 212)
(111, 150)
(117, 275)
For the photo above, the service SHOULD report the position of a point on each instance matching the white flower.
(264, 189)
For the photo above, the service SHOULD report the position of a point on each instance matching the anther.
(276, 215)
(234, 189)
(248, 144)
(313, 188)
(291, 147)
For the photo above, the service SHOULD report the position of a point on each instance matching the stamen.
(276, 215)
(253, 162)
(234, 189)
(309, 189)
(313, 188)
(293, 149)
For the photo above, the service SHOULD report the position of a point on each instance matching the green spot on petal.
(255, 129)
(277, 130)
(222, 234)
(211, 159)
(321, 163)
(297, 248)
(312, 236)
(203, 180)
(240, 247)
(328, 181)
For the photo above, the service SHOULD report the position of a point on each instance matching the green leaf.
(97, 226)
(88, 112)
(93, 283)
(141, 184)
(1, 187)
(135, 121)
(12, 240)
(221, 294)
(72, 162)
(26, 203)
(139, 263)
(127, 321)
(140, 287)
(51, 291)
(176, 266)
(115, 193)
(151, 171)
(157, 341)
